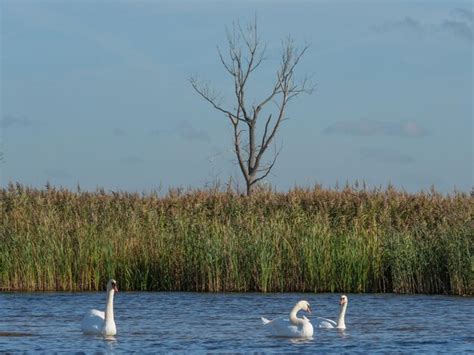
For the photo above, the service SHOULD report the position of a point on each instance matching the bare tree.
(245, 54)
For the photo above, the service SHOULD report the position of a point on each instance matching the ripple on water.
(15, 334)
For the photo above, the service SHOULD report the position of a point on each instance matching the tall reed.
(308, 240)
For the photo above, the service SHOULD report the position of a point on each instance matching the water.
(192, 322)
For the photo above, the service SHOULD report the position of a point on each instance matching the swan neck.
(293, 316)
(342, 314)
(109, 309)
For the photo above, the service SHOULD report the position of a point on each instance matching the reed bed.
(306, 240)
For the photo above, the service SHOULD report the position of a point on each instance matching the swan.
(328, 323)
(100, 323)
(294, 327)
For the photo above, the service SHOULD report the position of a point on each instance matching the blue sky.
(96, 93)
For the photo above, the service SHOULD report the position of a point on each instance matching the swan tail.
(265, 320)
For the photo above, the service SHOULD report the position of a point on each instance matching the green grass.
(305, 240)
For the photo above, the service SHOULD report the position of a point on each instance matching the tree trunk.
(249, 189)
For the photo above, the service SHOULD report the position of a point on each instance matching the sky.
(97, 93)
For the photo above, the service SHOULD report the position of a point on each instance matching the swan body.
(102, 323)
(293, 327)
(341, 324)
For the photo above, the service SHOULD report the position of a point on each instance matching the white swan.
(294, 327)
(328, 323)
(100, 323)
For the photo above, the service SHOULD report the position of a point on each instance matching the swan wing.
(281, 327)
(93, 322)
(327, 323)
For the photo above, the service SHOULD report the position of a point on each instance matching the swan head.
(304, 305)
(112, 285)
(343, 300)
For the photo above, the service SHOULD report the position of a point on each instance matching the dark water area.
(203, 323)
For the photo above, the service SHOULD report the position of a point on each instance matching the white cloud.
(458, 23)
(14, 120)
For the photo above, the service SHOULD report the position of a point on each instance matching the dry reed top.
(343, 208)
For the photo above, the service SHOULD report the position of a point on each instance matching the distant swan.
(294, 327)
(100, 323)
(328, 323)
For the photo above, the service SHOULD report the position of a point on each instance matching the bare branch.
(264, 136)
(268, 169)
(212, 98)
(273, 131)
(276, 90)
(227, 66)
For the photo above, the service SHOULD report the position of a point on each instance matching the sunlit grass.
(349, 240)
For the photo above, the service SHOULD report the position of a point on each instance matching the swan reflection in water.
(342, 333)
(301, 340)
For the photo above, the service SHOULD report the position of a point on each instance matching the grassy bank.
(349, 240)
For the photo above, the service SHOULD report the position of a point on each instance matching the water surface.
(197, 322)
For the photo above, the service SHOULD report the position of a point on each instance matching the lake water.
(197, 322)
